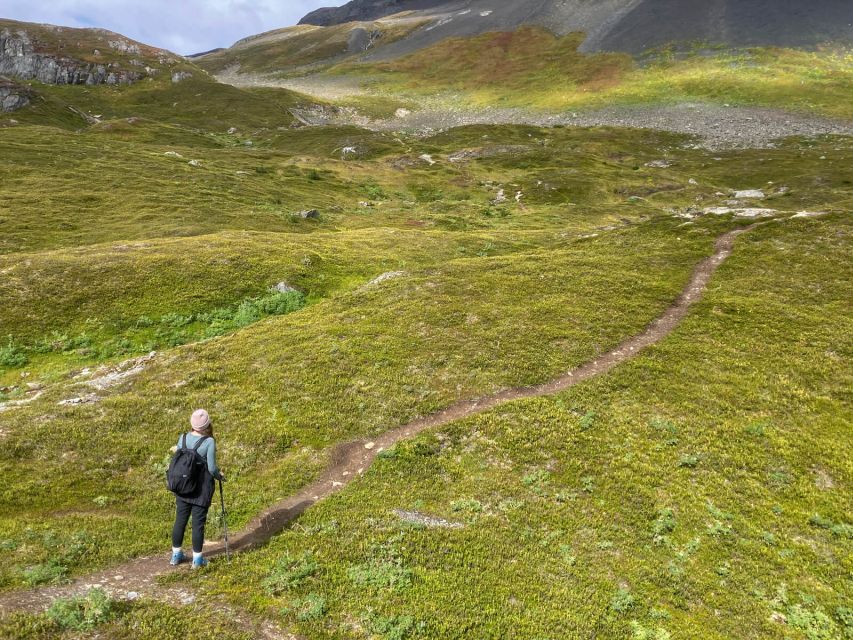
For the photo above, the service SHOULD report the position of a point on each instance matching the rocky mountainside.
(364, 10)
(61, 55)
(614, 25)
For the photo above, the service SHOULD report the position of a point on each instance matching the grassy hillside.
(285, 51)
(700, 490)
(531, 67)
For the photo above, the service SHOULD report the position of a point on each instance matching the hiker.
(191, 478)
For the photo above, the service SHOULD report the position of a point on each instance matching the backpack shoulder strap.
(199, 443)
(184, 442)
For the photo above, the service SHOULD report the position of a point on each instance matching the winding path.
(350, 460)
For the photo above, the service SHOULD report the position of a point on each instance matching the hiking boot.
(199, 563)
(177, 558)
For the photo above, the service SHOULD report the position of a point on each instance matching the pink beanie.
(200, 419)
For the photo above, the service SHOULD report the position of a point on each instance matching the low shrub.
(12, 355)
(310, 607)
(50, 572)
(290, 572)
(79, 613)
(622, 601)
(391, 627)
(381, 575)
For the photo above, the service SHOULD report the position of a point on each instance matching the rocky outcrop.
(180, 76)
(19, 59)
(13, 96)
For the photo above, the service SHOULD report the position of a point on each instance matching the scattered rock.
(346, 152)
(121, 372)
(232, 131)
(402, 113)
(779, 618)
(388, 275)
(173, 154)
(425, 520)
(194, 163)
(308, 214)
(370, 445)
(427, 158)
(283, 287)
(124, 46)
(13, 96)
(809, 214)
(500, 197)
(180, 76)
(741, 213)
(12, 404)
(750, 194)
(692, 181)
(87, 399)
(659, 164)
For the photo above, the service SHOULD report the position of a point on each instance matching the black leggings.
(183, 510)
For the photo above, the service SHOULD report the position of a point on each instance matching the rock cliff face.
(13, 96)
(19, 59)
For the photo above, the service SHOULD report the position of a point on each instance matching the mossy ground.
(675, 495)
(531, 68)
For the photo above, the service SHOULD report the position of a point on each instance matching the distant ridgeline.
(60, 55)
(630, 26)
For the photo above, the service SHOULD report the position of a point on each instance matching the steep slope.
(615, 25)
(361, 10)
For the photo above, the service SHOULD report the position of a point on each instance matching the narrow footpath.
(350, 460)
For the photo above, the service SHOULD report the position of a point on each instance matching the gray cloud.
(182, 26)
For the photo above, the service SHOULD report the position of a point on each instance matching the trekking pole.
(224, 522)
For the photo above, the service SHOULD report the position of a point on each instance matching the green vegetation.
(532, 68)
(655, 550)
(701, 488)
(287, 51)
(94, 615)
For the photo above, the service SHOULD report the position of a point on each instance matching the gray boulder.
(283, 287)
(13, 96)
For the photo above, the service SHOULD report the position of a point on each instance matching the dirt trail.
(350, 460)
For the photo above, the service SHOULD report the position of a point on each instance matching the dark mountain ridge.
(616, 25)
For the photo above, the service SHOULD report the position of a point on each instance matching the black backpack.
(186, 470)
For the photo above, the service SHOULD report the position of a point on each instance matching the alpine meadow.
(486, 319)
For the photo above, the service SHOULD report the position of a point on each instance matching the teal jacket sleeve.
(211, 459)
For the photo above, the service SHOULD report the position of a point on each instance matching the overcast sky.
(182, 26)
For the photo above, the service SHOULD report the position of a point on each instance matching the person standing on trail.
(191, 478)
